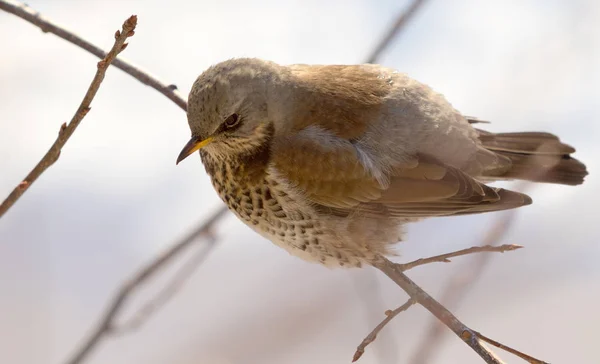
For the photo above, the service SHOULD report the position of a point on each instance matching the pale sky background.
(116, 198)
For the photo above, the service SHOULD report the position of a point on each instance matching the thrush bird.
(330, 161)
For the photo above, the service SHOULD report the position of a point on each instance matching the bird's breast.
(270, 208)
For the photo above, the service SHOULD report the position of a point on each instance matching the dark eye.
(232, 120)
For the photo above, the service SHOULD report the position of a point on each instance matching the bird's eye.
(232, 120)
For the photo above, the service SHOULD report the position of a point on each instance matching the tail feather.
(534, 156)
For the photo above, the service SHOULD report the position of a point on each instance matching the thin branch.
(107, 321)
(460, 283)
(106, 325)
(445, 258)
(23, 11)
(389, 315)
(400, 23)
(168, 292)
(400, 268)
(67, 130)
(420, 296)
(516, 352)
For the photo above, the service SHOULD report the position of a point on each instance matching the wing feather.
(333, 178)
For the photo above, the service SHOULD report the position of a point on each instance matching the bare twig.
(445, 258)
(438, 258)
(389, 315)
(169, 290)
(107, 322)
(460, 283)
(25, 12)
(67, 130)
(107, 325)
(439, 311)
(401, 21)
(521, 355)
(397, 275)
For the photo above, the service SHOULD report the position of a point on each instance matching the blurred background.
(115, 198)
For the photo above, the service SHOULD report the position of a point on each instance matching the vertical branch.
(66, 130)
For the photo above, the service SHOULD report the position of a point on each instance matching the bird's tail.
(534, 156)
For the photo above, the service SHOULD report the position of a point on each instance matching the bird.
(330, 162)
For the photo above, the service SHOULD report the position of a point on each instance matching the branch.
(458, 285)
(438, 258)
(461, 282)
(389, 315)
(417, 295)
(67, 130)
(23, 11)
(107, 322)
(415, 292)
(521, 355)
(445, 258)
(106, 325)
(400, 23)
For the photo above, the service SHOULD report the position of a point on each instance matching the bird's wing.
(341, 99)
(393, 115)
(334, 177)
(329, 157)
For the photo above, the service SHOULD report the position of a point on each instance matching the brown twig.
(460, 283)
(417, 295)
(469, 336)
(400, 23)
(106, 325)
(67, 130)
(402, 267)
(25, 12)
(516, 352)
(445, 258)
(107, 322)
(420, 296)
(389, 315)
(457, 287)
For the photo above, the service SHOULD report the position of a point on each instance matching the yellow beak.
(193, 145)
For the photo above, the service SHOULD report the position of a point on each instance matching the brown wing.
(339, 98)
(334, 179)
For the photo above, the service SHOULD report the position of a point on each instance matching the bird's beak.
(193, 145)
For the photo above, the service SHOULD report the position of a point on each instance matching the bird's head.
(228, 108)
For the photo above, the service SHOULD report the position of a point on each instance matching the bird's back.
(387, 113)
